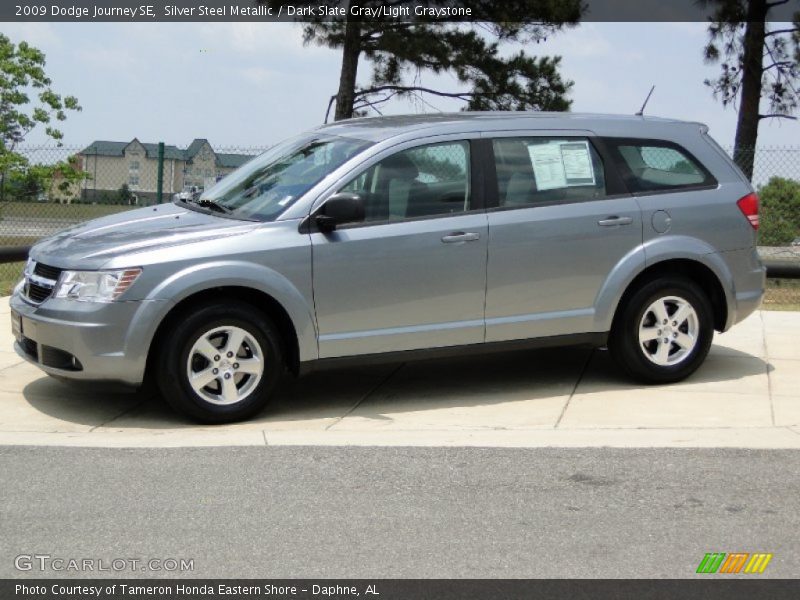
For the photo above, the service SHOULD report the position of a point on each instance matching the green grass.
(782, 294)
(12, 240)
(49, 210)
(10, 274)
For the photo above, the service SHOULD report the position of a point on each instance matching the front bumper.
(87, 341)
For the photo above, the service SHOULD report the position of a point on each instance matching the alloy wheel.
(668, 331)
(225, 365)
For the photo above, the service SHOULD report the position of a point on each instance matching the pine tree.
(757, 61)
(400, 52)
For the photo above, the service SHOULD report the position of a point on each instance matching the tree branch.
(364, 103)
(780, 31)
(777, 116)
(373, 105)
(368, 33)
(776, 3)
(330, 104)
(409, 88)
(780, 64)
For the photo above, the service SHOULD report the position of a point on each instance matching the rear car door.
(560, 220)
(413, 274)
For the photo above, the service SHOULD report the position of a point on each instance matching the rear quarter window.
(654, 166)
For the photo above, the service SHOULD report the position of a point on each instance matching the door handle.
(460, 236)
(614, 221)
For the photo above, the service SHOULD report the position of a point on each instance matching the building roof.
(108, 148)
(195, 146)
(232, 161)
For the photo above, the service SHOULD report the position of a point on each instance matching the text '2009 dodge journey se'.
(404, 237)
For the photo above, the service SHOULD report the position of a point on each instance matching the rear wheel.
(664, 331)
(221, 363)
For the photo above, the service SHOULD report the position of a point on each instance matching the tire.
(231, 346)
(654, 360)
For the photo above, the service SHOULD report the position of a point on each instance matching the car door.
(559, 221)
(412, 275)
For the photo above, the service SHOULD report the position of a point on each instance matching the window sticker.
(577, 163)
(548, 166)
(561, 164)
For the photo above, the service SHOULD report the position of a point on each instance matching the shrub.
(779, 212)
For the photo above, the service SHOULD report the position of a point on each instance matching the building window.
(133, 180)
(134, 165)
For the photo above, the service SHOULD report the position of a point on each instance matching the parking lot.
(745, 395)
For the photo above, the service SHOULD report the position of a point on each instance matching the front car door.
(559, 221)
(413, 274)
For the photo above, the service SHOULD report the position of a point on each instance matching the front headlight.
(94, 286)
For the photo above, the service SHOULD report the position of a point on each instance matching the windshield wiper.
(214, 205)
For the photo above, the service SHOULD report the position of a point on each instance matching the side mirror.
(344, 207)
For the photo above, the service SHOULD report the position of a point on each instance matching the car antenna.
(641, 110)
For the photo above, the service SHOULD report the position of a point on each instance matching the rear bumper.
(749, 283)
(87, 341)
(747, 303)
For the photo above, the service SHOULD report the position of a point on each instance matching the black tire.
(172, 371)
(624, 344)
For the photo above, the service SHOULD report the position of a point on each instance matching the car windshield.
(267, 185)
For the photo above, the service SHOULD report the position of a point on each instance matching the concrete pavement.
(746, 395)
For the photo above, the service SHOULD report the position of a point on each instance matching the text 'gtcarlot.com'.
(46, 562)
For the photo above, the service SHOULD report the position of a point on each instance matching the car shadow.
(321, 398)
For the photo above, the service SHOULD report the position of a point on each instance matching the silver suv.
(406, 237)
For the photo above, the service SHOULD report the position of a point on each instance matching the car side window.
(423, 181)
(542, 170)
(653, 166)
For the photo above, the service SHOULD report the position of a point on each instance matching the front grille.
(47, 271)
(37, 293)
(40, 281)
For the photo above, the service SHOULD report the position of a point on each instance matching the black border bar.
(150, 11)
(709, 587)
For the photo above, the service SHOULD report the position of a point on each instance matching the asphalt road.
(402, 512)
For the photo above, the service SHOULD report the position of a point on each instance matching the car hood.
(90, 244)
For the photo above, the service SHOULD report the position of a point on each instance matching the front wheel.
(663, 332)
(221, 363)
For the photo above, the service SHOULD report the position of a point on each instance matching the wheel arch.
(258, 299)
(696, 271)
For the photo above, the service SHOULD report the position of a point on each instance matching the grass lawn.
(10, 274)
(782, 294)
(49, 210)
(8, 240)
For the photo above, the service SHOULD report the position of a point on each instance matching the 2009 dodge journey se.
(404, 237)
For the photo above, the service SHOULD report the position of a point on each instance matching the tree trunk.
(752, 72)
(351, 51)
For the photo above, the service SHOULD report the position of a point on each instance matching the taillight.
(749, 207)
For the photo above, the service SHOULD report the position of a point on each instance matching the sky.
(254, 84)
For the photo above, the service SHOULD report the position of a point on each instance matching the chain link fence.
(776, 176)
(63, 186)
